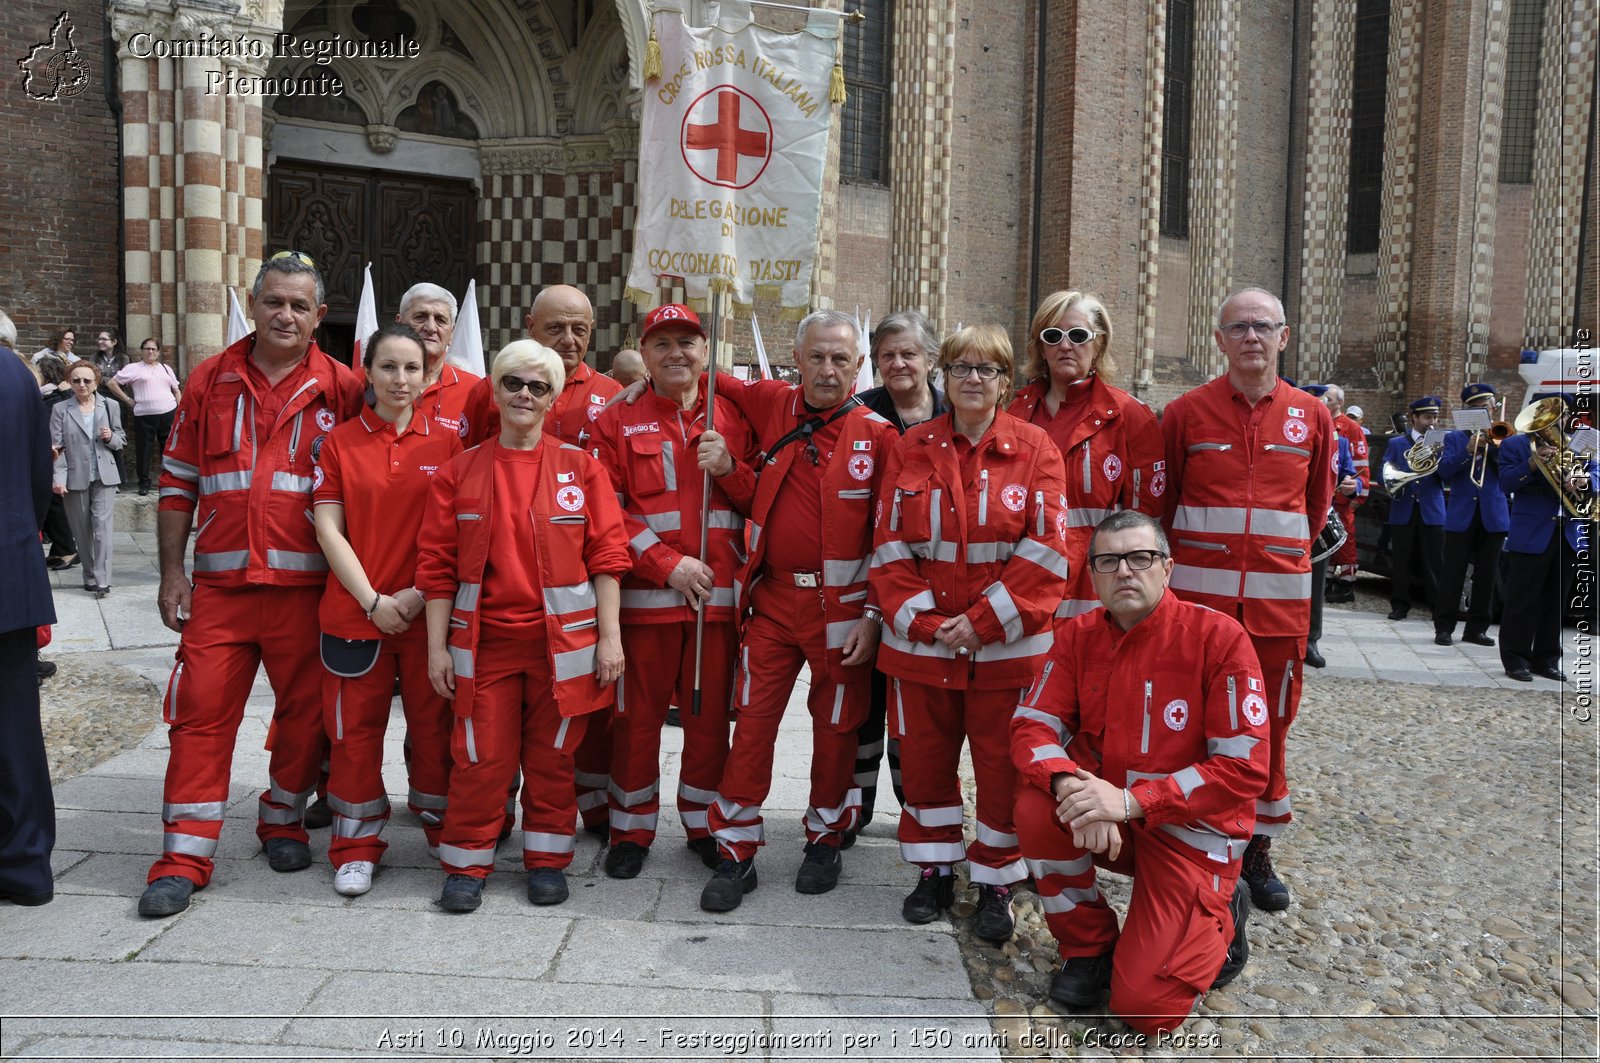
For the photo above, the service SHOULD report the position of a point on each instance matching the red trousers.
(231, 632)
(931, 723)
(591, 780)
(1179, 925)
(355, 712)
(788, 630)
(515, 720)
(1280, 668)
(1343, 564)
(660, 673)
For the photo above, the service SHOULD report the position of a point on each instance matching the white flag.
(238, 324)
(864, 348)
(466, 346)
(731, 150)
(366, 315)
(761, 348)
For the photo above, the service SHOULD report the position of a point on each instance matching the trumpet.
(1542, 421)
(1424, 461)
(1497, 433)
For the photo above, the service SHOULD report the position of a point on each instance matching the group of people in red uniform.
(544, 566)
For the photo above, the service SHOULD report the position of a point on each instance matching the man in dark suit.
(27, 807)
(1416, 515)
(1475, 525)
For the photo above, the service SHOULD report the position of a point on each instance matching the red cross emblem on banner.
(731, 123)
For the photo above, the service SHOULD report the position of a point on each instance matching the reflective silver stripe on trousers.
(695, 820)
(818, 819)
(1067, 899)
(1068, 868)
(561, 737)
(417, 799)
(1222, 582)
(660, 522)
(345, 827)
(363, 810)
(838, 633)
(279, 817)
(1283, 688)
(467, 597)
(932, 852)
(226, 481)
(943, 816)
(283, 796)
(633, 797)
(573, 598)
(1005, 610)
(1086, 517)
(1004, 875)
(838, 708)
(695, 794)
(591, 800)
(188, 844)
(456, 856)
(994, 838)
(222, 561)
(1238, 747)
(1277, 586)
(574, 663)
(292, 561)
(181, 469)
(1189, 780)
(177, 492)
(472, 740)
(633, 820)
(540, 842)
(288, 481)
(192, 810)
(461, 661)
(1041, 555)
(920, 602)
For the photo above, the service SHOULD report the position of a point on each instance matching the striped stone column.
(1397, 208)
(1497, 32)
(139, 175)
(1213, 179)
(1327, 188)
(1562, 133)
(1155, 94)
(919, 155)
(202, 327)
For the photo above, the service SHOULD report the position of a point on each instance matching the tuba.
(1424, 461)
(1542, 421)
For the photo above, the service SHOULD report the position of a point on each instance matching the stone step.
(135, 512)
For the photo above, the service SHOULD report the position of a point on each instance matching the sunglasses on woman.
(537, 388)
(1077, 335)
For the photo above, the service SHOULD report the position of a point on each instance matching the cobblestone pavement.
(1443, 860)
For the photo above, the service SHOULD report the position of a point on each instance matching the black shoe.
(1477, 638)
(934, 893)
(46, 669)
(992, 920)
(1081, 981)
(1239, 948)
(318, 814)
(726, 890)
(1442, 638)
(548, 885)
(62, 561)
(462, 893)
(706, 850)
(144, 489)
(673, 719)
(1346, 592)
(1314, 657)
(167, 895)
(1266, 891)
(626, 859)
(1398, 614)
(287, 854)
(27, 900)
(601, 830)
(819, 871)
(1549, 671)
(1521, 675)
(848, 839)
(101, 592)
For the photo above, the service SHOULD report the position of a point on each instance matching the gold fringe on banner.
(639, 297)
(652, 54)
(836, 84)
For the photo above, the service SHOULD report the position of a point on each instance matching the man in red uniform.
(1342, 584)
(1250, 461)
(241, 457)
(822, 457)
(1165, 793)
(655, 450)
(562, 319)
(431, 310)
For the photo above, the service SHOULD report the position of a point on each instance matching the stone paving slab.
(71, 927)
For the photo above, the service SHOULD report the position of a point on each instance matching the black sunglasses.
(1077, 335)
(537, 388)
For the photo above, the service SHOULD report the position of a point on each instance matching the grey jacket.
(73, 469)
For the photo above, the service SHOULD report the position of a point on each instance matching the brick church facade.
(1417, 178)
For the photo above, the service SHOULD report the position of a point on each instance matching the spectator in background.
(53, 387)
(627, 367)
(86, 434)
(109, 357)
(155, 397)
(61, 345)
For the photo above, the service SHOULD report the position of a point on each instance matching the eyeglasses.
(1077, 335)
(1138, 561)
(298, 256)
(537, 388)
(962, 370)
(1236, 330)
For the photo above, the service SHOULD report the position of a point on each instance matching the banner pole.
(713, 337)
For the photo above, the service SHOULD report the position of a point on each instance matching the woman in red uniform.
(371, 487)
(524, 536)
(968, 570)
(1110, 442)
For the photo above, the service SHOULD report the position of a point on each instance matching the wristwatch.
(872, 613)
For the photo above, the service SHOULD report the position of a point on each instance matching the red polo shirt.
(381, 478)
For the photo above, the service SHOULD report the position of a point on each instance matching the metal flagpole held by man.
(714, 335)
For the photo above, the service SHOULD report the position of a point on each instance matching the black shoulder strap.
(813, 423)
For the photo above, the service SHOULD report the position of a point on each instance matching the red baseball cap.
(671, 314)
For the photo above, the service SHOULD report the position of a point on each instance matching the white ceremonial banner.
(238, 327)
(731, 150)
(466, 345)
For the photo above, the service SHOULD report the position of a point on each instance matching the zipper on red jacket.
(1088, 470)
(1038, 501)
(1144, 737)
(1233, 703)
(983, 497)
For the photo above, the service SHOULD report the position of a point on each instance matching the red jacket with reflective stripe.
(1114, 459)
(993, 548)
(578, 527)
(248, 479)
(649, 451)
(850, 485)
(1244, 502)
(1358, 453)
(1174, 710)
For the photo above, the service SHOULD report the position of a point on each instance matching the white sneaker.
(354, 878)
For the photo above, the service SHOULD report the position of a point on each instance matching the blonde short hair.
(988, 342)
(1055, 304)
(529, 354)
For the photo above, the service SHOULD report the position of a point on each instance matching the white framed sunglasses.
(1077, 335)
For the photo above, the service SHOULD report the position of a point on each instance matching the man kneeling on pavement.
(1142, 749)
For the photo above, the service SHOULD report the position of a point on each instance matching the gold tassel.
(836, 84)
(652, 57)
